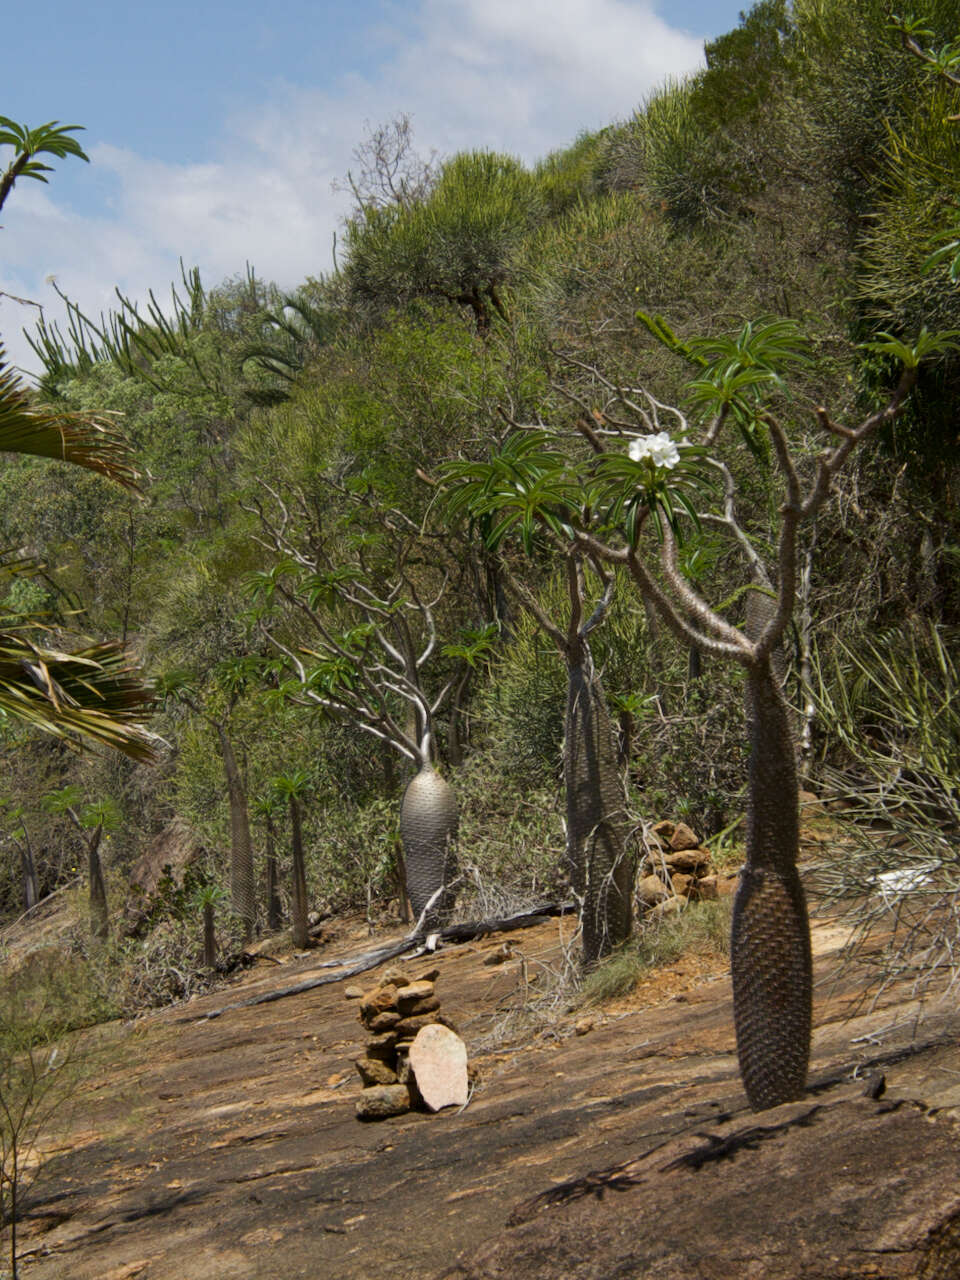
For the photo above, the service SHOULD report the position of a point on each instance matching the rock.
(382, 1046)
(583, 1026)
(706, 889)
(650, 890)
(691, 862)
(379, 1000)
(430, 976)
(852, 1189)
(502, 954)
(409, 995)
(682, 884)
(811, 806)
(683, 838)
(395, 976)
(410, 1026)
(664, 831)
(669, 907)
(353, 993)
(382, 1101)
(438, 1060)
(374, 1071)
(430, 1005)
(727, 885)
(384, 1021)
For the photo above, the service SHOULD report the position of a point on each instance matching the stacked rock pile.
(394, 1013)
(677, 870)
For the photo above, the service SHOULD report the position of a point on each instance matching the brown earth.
(208, 1150)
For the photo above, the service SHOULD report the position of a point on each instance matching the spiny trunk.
(209, 938)
(406, 911)
(600, 866)
(99, 916)
(274, 914)
(242, 881)
(770, 947)
(428, 829)
(298, 904)
(28, 868)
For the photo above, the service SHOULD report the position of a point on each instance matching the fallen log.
(414, 944)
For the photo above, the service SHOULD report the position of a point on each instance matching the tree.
(463, 241)
(517, 492)
(216, 706)
(355, 630)
(294, 788)
(626, 492)
(95, 818)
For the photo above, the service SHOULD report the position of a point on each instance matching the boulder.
(650, 890)
(706, 889)
(382, 1101)
(691, 862)
(374, 1071)
(683, 838)
(411, 994)
(438, 1061)
(410, 1026)
(669, 907)
(682, 884)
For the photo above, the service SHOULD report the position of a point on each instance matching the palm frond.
(86, 441)
(95, 693)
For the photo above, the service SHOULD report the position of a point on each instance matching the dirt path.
(229, 1148)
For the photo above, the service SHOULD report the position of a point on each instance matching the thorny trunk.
(428, 829)
(600, 867)
(298, 904)
(209, 938)
(99, 916)
(274, 914)
(28, 869)
(242, 881)
(770, 946)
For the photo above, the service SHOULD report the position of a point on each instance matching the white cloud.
(523, 76)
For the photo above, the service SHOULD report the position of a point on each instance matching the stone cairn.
(413, 1057)
(677, 870)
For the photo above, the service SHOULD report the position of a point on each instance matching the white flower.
(659, 448)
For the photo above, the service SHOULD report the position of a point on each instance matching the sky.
(217, 131)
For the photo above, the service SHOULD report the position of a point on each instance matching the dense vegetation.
(326, 603)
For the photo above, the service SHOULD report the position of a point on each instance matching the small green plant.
(701, 926)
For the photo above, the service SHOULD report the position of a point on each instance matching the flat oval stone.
(438, 1060)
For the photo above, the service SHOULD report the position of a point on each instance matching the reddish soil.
(208, 1150)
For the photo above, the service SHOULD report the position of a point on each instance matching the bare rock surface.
(230, 1149)
(887, 1204)
(438, 1060)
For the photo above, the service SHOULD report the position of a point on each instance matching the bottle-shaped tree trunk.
(242, 879)
(600, 866)
(770, 947)
(99, 917)
(428, 829)
(298, 897)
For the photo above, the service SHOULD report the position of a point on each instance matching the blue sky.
(216, 130)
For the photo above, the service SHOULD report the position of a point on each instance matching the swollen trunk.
(242, 882)
(600, 866)
(770, 947)
(428, 829)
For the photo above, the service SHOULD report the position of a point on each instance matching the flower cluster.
(659, 448)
